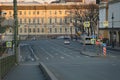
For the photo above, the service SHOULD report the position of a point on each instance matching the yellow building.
(40, 20)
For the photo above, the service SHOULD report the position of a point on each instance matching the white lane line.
(33, 53)
(47, 53)
(47, 58)
(63, 53)
(62, 57)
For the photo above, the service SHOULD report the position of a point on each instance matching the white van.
(86, 39)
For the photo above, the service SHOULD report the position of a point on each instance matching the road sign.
(104, 45)
(86, 24)
(9, 44)
(97, 42)
(105, 23)
(94, 36)
(93, 41)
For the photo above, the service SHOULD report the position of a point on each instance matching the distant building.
(42, 20)
(113, 18)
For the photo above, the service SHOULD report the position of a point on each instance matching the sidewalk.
(27, 71)
(100, 52)
(115, 48)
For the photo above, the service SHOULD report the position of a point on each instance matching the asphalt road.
(66, 62)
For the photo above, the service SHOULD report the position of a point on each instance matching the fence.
(6, 63)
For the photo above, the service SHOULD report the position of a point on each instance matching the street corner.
(90, 54)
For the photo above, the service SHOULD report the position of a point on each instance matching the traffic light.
(98, 1)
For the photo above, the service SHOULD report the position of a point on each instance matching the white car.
(66, 42)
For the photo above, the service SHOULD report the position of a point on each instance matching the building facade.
(40, 20)
(113, 18)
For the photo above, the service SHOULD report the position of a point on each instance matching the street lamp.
(15, 31)
(71, 25)
(112, 31)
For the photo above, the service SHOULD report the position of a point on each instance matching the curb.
(83, 53)
(46, 72)
(117, 50)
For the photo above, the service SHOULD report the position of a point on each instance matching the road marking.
(62, 57)
(47, 53)
(63, 53)
(33, 53)
(47, 58)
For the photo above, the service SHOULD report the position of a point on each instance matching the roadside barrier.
(6, 63)
(104, 51)
(46, 72)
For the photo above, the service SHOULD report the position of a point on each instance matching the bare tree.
(85, 12)
(2, 19)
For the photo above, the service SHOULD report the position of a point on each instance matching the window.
(20, 12)
(10, 31)
(50, 21)
(29, 30)
(38, 30)
(33, 30)
(25, 30)
(65, 29)
(34, 12)
(65, 20)
(38, 13)
(50, 30)
(55, 12)
(50, 12)
(25, 20)
(29, 13)
(42, 20)
(60, 20)
(20, 21)
(10, 13)
(24, 12)
(42, 30)
(29, 20)
(60, 30)
(55, 20)
(60, 12)
(20, 30)
(38, 20)
(55, 30)
(33, 20)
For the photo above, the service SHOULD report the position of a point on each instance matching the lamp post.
(15, 31)
(71, 25)
(112, 31)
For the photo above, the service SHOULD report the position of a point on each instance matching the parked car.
(66, 40)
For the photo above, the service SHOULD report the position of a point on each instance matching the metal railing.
(6, 63)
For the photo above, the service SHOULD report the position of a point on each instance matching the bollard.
(104, 51)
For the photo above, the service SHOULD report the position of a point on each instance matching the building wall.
(44, 19)
(114, 8)
(41, 20)
(113, 24)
